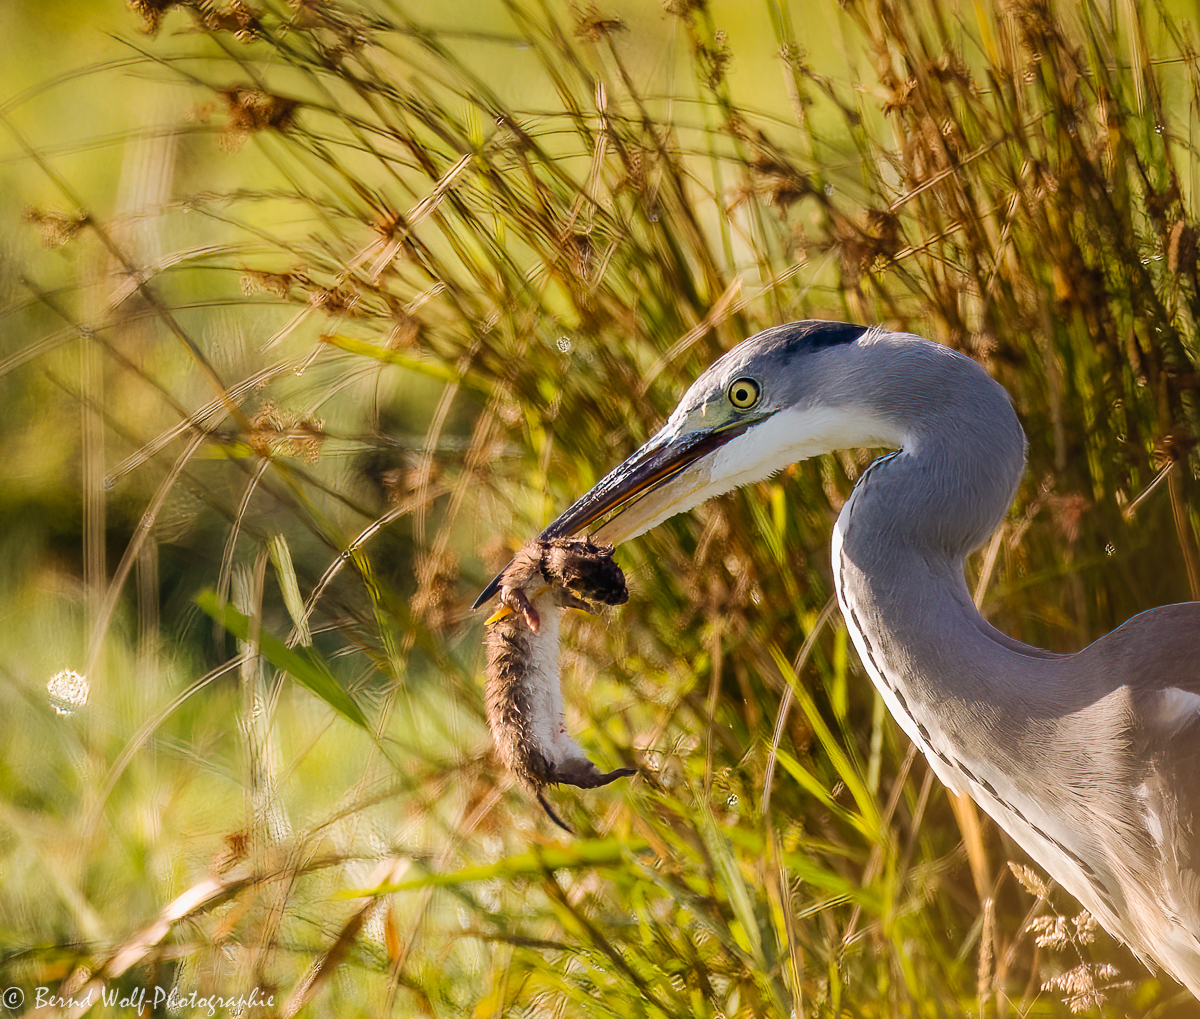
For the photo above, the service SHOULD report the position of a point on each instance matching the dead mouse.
(524, 695)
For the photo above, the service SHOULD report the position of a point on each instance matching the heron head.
(775, 398)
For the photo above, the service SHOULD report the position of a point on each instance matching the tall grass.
(367, 301)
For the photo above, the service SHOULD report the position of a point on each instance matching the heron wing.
(1156, 656)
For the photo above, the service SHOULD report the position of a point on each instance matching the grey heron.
(1088, 760)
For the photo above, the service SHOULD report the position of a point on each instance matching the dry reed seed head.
(405, 331)
(982, 346)
(152, 11)
(336, 301)
(238, 18)
(884, 228)
(683, 8)
(422, 474)
(310, 13)
(497, 552)
(436, 602)
(234, 850)
(1037, 181)
(714, 59)
(403, 481)
(635, 170)
(350, 30)
(252, 110)
(870, 246)
(735, 126)
(1068, 512)
(795, 57)
(279, 284)
(57, 228)
(278, 432)
(1049, 931)
(949, 67)
(945, 141)
(201, 113)
(1173, 447)
(1039, 32)
(778, 183)
(389, 223)
(1086, 986)
(510, 413)
(1085, 928)
(901, 96)
(592, 26)
(577, 251)
(1029, 879)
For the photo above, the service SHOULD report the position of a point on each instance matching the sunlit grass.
(356, 303)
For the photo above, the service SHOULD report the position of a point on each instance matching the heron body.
(1089, 760)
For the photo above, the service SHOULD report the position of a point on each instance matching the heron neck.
(961, 455)
(914, 516)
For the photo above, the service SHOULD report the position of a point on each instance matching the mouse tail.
(541, 798)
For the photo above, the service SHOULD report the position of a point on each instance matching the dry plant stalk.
(524, 697)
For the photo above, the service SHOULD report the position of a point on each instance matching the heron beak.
(644, 488)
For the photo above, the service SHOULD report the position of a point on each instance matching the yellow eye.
(743, 393)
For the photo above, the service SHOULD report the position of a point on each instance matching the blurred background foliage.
(312, 312)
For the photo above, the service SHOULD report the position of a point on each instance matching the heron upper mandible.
(1089, 760)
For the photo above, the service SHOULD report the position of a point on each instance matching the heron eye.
(743, 393)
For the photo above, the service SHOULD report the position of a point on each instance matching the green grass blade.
(309, 672)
